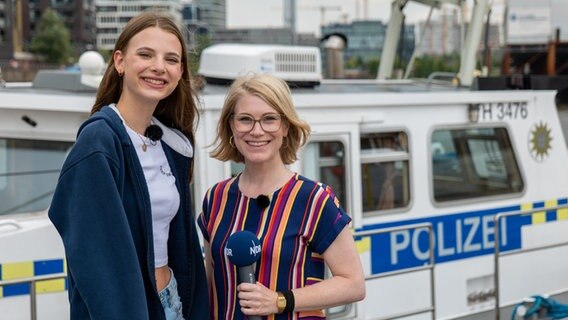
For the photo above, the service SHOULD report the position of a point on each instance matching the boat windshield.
(29, 170)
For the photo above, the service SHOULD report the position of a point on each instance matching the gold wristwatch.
(280, 302)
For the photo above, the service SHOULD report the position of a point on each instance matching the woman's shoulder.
(95, 130)
(312, 184)
(224, 184)
(102, 125)
(97, 135)
(322, 189)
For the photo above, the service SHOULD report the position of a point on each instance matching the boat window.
(28, 173)
(325, 161)
(385, 181)
(470, 163)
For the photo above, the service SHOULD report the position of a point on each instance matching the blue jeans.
(170, 300)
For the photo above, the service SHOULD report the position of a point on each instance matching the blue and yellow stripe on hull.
(29, 269)
(549, 212)
(461, 235)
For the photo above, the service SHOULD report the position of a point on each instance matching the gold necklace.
(144, 144)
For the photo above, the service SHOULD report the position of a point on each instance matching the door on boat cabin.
(326, 158)
(368, 170)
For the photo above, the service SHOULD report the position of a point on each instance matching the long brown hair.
(179, 109)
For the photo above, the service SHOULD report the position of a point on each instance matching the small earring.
(231, 142)
(120, 73)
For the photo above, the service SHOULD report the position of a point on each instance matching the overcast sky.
(269, 13)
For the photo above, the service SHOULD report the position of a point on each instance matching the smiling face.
(257, 145)
(151, 66)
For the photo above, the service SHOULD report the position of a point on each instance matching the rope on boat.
(540, 306)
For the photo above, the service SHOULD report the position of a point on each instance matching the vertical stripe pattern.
(301, 221)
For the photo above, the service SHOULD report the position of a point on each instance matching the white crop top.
(164, 196)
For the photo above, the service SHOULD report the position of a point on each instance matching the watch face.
(281, 301)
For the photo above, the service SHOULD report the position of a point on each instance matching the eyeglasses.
(268, 123)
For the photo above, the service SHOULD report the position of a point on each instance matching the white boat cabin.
(433, 176)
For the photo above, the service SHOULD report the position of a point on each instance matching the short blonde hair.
(276, 93)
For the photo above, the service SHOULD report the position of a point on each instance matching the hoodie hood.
(172, 137)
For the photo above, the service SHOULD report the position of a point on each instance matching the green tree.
(427, 64)
(372, 67)
(354, 62)
(202, 42)
(107, 54)
(52, 39)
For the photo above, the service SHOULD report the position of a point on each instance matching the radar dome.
(91, 63)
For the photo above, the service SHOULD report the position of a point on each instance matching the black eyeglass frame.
(254, 121)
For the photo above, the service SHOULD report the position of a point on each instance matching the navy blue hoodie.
(101, 209)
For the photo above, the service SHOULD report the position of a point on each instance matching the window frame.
(477, 199)
(387, 156)
(10, 181)
(343, 138)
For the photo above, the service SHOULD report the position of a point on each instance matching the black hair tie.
(154, 132)
(290, 301)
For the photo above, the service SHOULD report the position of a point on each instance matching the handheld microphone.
(243, 250)
(263, 201)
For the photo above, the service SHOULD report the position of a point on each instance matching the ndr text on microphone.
(243, 250)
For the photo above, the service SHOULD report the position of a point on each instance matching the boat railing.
(498, 254)
(33, 292)
(361, 234)
(429, 267)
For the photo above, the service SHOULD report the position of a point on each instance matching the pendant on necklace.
(144, 147)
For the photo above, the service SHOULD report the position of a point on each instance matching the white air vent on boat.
(299, 66)
(86, 78)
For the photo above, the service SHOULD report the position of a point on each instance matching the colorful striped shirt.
(303, 219)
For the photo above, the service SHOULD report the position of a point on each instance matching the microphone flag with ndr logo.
(243, 248)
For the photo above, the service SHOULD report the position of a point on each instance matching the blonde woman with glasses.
(299, 222)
